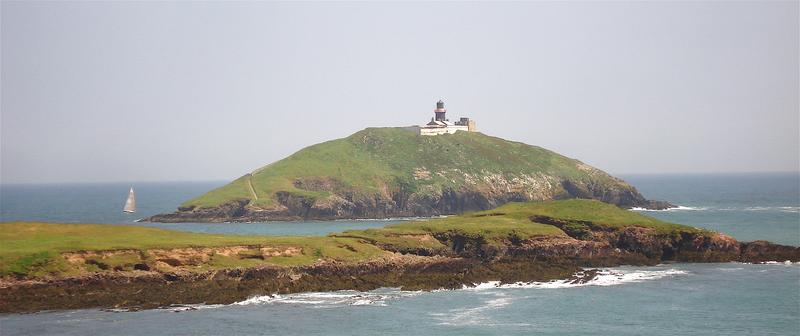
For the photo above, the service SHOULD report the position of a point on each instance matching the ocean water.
(706, 299)
(747, 207)
(103, 202)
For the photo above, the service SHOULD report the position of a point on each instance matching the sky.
(188, 91)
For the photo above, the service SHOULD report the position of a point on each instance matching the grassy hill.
(385, 172)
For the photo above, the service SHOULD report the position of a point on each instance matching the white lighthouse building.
(439, 124)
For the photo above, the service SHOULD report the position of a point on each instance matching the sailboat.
(130, 204)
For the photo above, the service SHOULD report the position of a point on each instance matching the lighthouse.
(440, 111)
(440, 125)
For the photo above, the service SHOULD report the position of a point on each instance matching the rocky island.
(391, 172)
(48, 266)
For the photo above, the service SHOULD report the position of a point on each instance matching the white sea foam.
(780, 263)
(782, 209)
(473, 316)
(761, 208)
(603, 278)
(676, 208)
(792, 209)
(330, 299)
(487, 285)
(189, 307)
(689, 208)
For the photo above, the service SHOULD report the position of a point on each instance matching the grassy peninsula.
(39, 249)
(67, 266)
(35, 249)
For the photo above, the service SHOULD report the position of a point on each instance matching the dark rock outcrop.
(640, 245)
(230, 209)
(349, 203)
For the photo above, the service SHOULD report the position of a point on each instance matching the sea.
(671, 298)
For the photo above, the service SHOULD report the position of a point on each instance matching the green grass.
(33, 264)
(238, 189)
(512, 221)
(27, 237)
(599, 213)
(374, 157)
(491, 228)
(35, 248)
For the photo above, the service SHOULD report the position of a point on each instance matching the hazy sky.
(159, 91)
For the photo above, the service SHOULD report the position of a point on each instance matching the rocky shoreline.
(450, 202)
(464, 263)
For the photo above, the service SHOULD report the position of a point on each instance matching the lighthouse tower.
(440, 125)
(440, 111)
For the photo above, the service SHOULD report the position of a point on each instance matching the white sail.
(130, 204)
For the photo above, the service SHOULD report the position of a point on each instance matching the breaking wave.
(497, 298)
(677, 208)
(476, 316)
(779, 263)
(377, 297)
(382, 296)
(603, 278)
(791, 209)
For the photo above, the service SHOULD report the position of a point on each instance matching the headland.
(70, 266)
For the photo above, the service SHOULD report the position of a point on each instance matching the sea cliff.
(513, 243)
(390, 172)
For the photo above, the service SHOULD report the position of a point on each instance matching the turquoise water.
(747, 207)
(706, 299)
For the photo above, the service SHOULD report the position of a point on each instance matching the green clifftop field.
(37, 249)
(390, 172)
(40, 249)
(70, 266)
